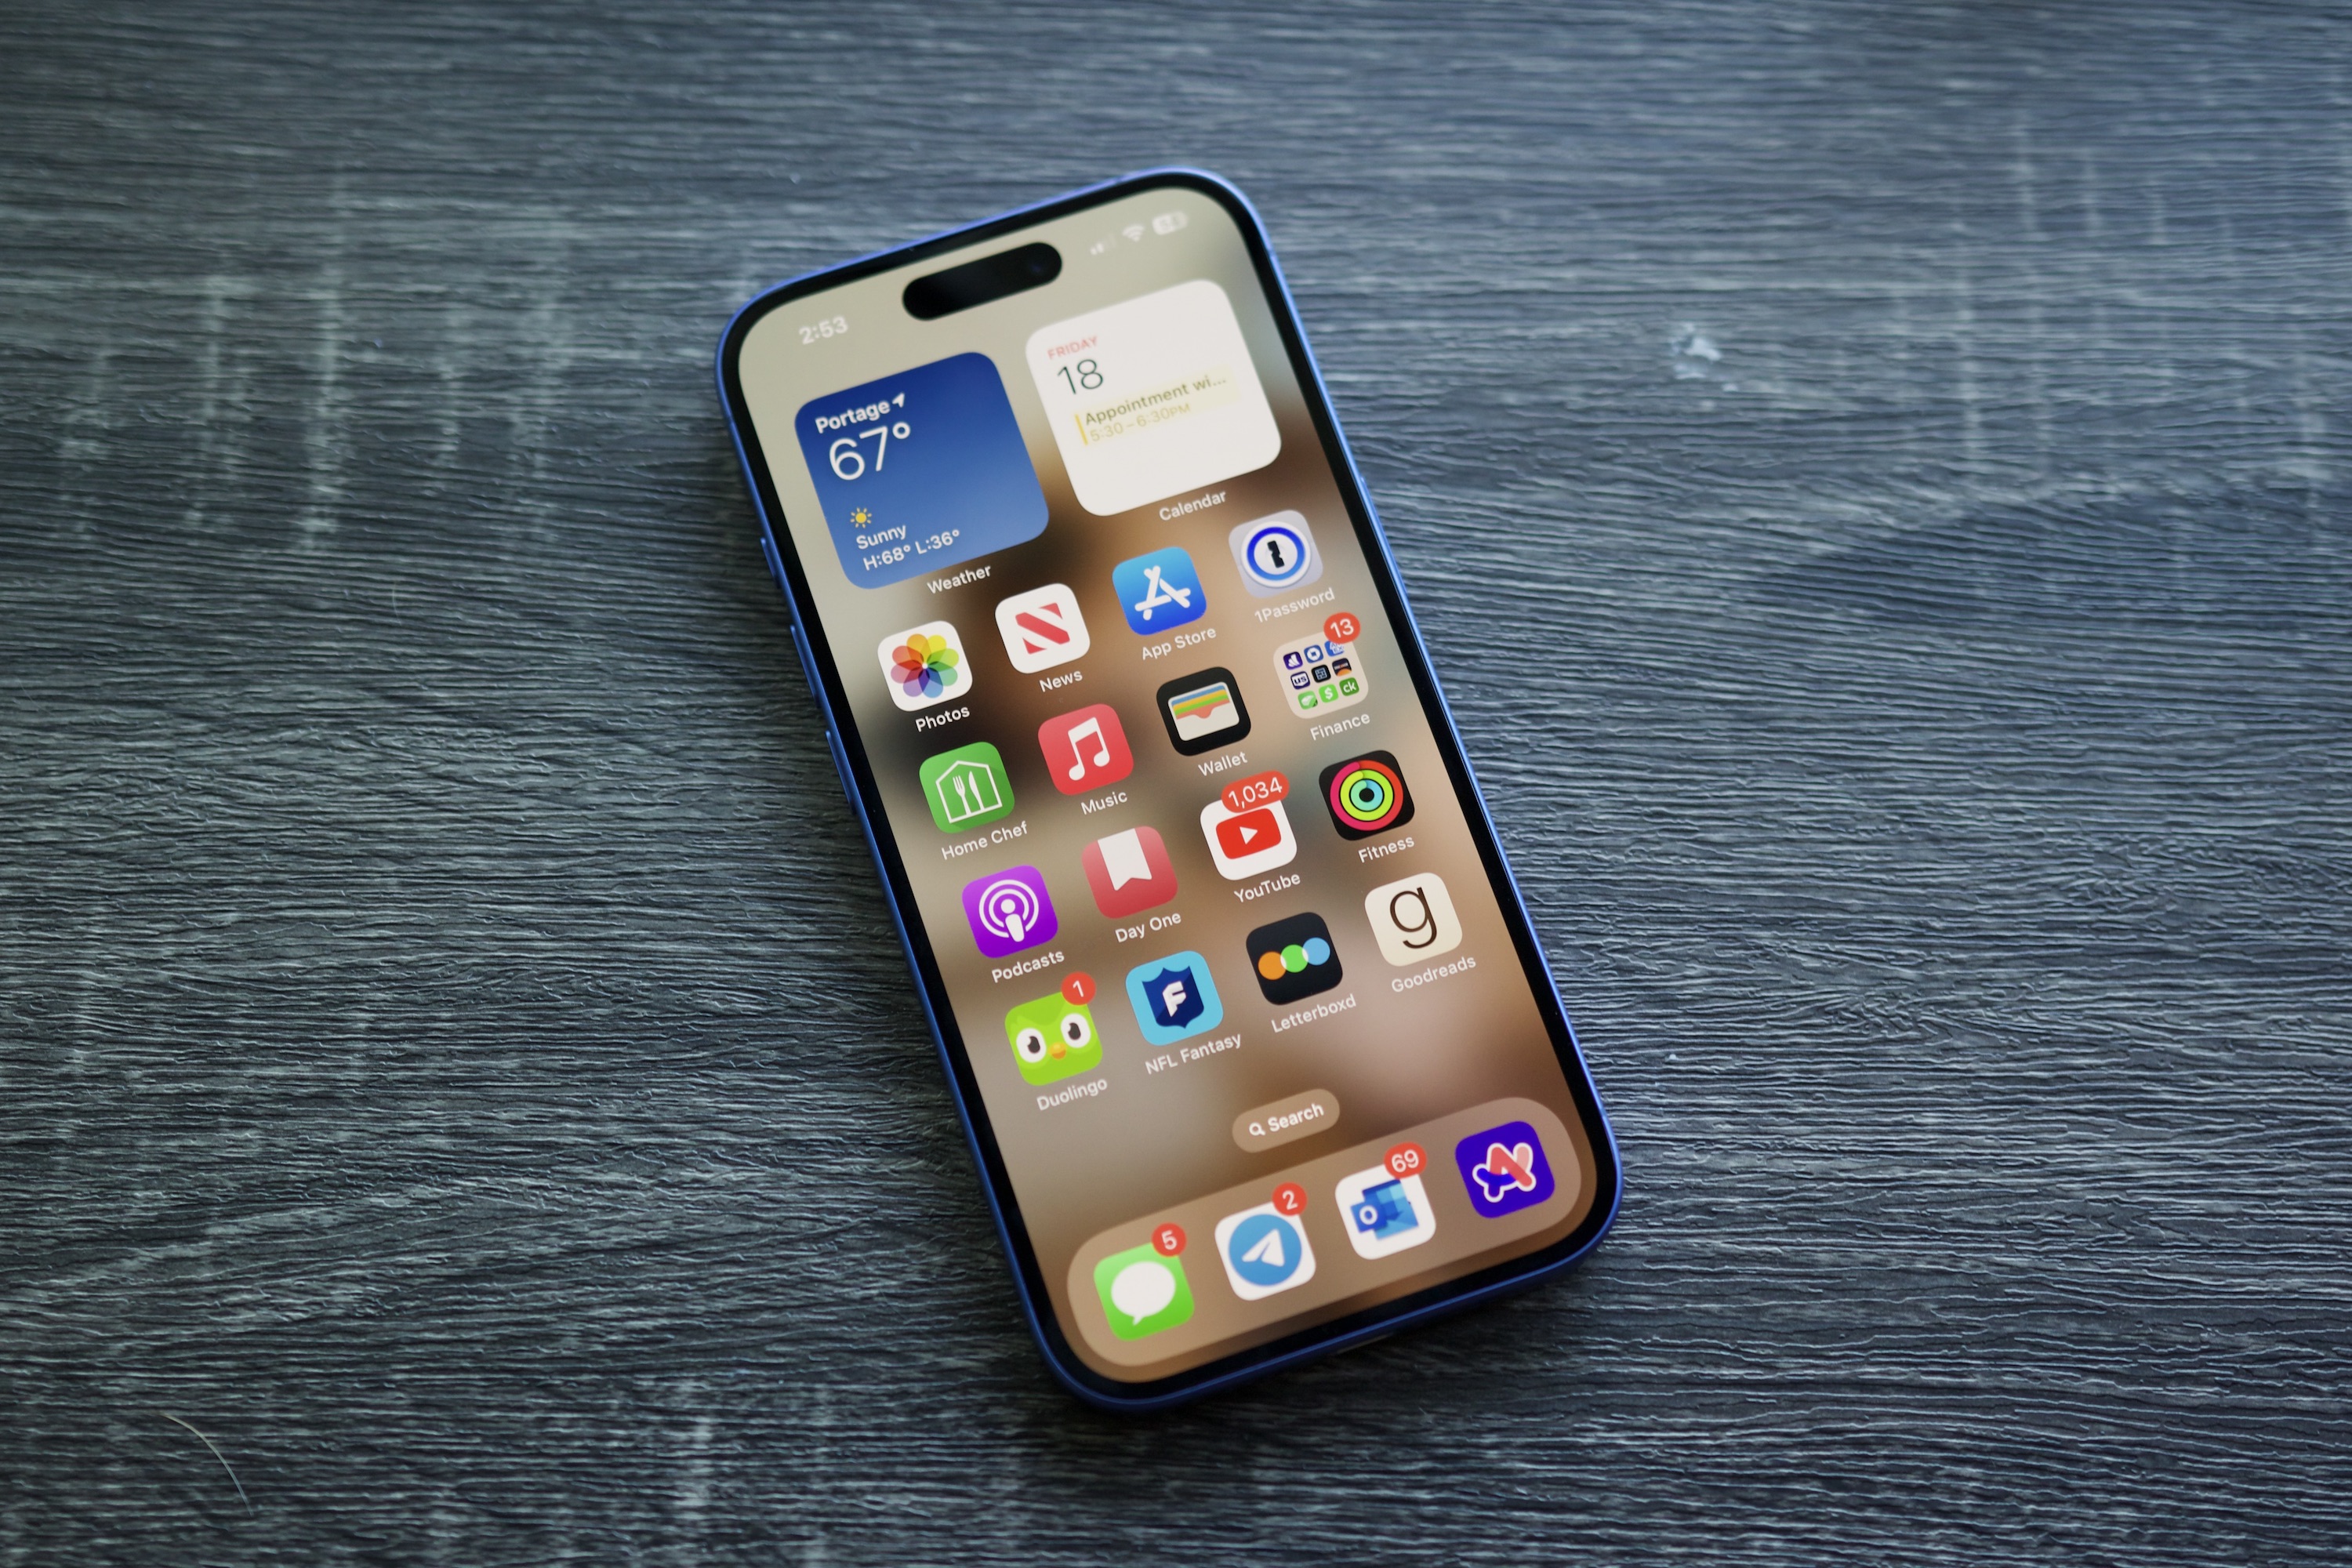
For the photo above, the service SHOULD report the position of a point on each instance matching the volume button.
(775, 563)
(840, 765)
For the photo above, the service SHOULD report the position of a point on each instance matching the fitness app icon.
(1174, 998)
(1385, 1213)
(1086, 749)
(1203, 711)
(1265, 1252)
(1504, 1169)
(966, 787)
(1158, 590)
(1366, 794)
(1009, 910)
(925, 666)
(1052, 1038)
(1276, 553)
(1294, 958)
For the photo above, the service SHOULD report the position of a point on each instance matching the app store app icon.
(1158, 592)
(1245, 842)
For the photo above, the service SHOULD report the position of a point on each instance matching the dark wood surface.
(1875, 479)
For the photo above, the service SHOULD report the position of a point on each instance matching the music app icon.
(1085, 750)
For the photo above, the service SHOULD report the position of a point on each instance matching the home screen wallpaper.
(1248, 1024)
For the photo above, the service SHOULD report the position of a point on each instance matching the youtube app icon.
(1245, 843)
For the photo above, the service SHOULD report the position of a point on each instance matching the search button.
(1287, 1121)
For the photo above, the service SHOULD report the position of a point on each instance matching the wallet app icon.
(1203, 711)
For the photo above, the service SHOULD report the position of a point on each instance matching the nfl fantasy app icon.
(1384, 1212)
(1009, 910)
(1366, 794)
(925, 666)
(1319, 675)
(1142, 1291)
(1504, 1169)
(1276, 553)
(1158, 590)
(1052, 1038)
(1174, 998)
(1413, 919)
(1294, 958)
(1203, 711)
(920, 469)
(966, 787)
(1042, 629)
(1085, 749)
(1265, 1252)
(1245, 843)
(1128, 872)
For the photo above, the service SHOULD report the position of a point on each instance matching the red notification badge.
(1405, 1159)
(1343, 627)
(1289, 1198)
(1168, 1240)
(1078, 988)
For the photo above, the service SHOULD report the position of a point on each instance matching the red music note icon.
(1085, 750)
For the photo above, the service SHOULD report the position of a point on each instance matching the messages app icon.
(1142, 1293)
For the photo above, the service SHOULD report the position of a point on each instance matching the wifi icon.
(1133, 231)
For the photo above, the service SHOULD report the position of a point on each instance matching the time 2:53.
(831, 327)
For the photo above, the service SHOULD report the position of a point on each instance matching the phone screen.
(1199, 897)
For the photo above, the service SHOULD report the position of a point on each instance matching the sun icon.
(861, 516)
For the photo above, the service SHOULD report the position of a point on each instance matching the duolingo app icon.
(1142, 1293)
(1052, 1038)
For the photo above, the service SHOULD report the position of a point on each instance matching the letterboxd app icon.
(1385, 1213)
(1085, 749)
(920, 469)
(1009, 910)
(925, 666)
(1413, 919)
(1276, 553)
(1128, 872)
(1043, 628)
(1174, 998)
(1505, 1170)
(1245, 842)
(1142, 1293)
(1320, 676)
(1366, 794)
(966, 787)
(1203, 711)
(1294, 958)
(1052, 1038)
(1158, 590)
(1264, 1252)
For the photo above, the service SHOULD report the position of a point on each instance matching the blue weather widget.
(921, 469)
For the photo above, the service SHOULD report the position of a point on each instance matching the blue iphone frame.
(848, 756)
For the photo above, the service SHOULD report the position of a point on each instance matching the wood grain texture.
(1875, 478)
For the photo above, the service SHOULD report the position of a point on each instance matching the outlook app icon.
(1174, 998)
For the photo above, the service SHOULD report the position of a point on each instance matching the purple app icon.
(1504, 1168)
(1009, 910)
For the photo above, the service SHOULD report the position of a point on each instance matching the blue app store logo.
(1174, 998)
(921, 469)
(1158, 590)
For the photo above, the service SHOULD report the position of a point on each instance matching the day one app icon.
(1413, 918)
(1158, 590)
(1385, 1213)
(1203, 711)
(1366, 794)
(1043, 628)
(966, 787)
(1275, 555)
(1319, 675)
(1085, 749)
(1265, 1252)
(1129, 872)
(925, 666)
(1009, 910)
(1245, 843)
(1052, 1038)
(1504, 1169)
(920, 469)
(1294, 958)
(1142, 1293)
(1174, 998)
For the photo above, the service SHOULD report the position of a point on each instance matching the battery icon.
(1168, 223)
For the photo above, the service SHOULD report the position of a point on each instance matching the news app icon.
(1158, 592)
(1366, 794)
(925, 666)
(1203, 711)
(1504, 1169)
(1246, 842)
(1086, 749)
(1265, 1252)
(1174, 998)
(1384, 1212)
(1009, 910)
(1042, 629)
(1128, 872)
(1276, 553)
(1294, 958)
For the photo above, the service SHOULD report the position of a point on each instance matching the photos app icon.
(925, 666)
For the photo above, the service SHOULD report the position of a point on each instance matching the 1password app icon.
(1264, 1252)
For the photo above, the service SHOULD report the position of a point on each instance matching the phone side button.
(776, 562)
(840, 765)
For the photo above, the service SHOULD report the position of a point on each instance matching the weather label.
(920, 469)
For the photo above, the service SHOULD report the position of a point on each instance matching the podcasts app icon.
(1009, 910)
